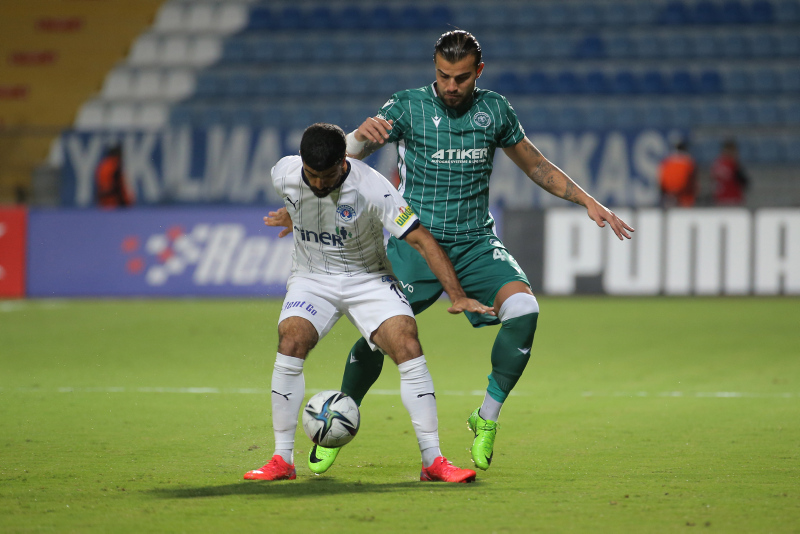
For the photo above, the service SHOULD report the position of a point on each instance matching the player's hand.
(471, 305)
(601, 214)
(280, 218)
(375, 130)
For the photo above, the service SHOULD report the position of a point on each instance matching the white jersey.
(342, 233)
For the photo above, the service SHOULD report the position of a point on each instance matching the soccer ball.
(331, 419)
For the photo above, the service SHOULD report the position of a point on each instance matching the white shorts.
(367, 300)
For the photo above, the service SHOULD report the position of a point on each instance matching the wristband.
(354, 146)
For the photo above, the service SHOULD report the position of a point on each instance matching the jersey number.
(502, 255)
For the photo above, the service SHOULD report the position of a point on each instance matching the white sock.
(419, 398)
(288, 388)
(490, 409)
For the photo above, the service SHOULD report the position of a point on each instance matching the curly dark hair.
(323, 146)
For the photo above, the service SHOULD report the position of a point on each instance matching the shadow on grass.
(292, 489)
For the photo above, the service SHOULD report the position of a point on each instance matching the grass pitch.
(634, 415)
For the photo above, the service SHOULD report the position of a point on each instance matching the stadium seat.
(706, 13)
(231, 17)
(151, 116)
(650, 47)
(178, 84)
(735, 46)
(292, 18)
(146, 50)
(208, 85)
(789, 45)
(440, 17)
(559, 15)
(181, 116)
(118, 84)
(569, 118)
(235, 50)
(537, 118)
(620, 47)
(537, 83)
(244, 116)
(682, 83)
(734, 12)
(410, 18)
(121, 116)
(201, 18)
(764, 45)
(762, 12)
(674, 13)
(769, 149)
(711, 114)
(766, 82)
(792, 149)
(261, 18)
(627, 117)
(204, 50)
(171, 17)
(566, 83)
(624, 83)
(790, 80)
(91, 116)
(654, 115)
(590, 47)
(788, 12)
(587, 15)
(239, 85)
(653, 83)
(597, 117)
(320, 18)
(739, 114)
(596, 83)
(645, 13)
(382, 18)
(618, 14)
(709, 83)
(351, 17)
(507, 82)
(678, 46)
(148, 84)
(707, 46)
(766, 113)
(683, 115)
(737, 81)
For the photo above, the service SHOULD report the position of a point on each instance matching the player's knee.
(518, 305)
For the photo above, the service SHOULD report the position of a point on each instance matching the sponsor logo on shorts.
(345, 212)
(405, 215)
(482, 119)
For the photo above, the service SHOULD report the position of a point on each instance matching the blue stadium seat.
(529, 14)
(674, 13)
(620, 47)
(410, 18)
(537, 118)
(653, 83)
(655, 116)
(645, 13)
(682, 83)
(533, 48)
(734, 12)
(627, 117)
(507, 83)
(792, 113)
(590, 47)
(440, 17)
(678, 46)
(239, 85)
(789, 45)
(683, 115)
(792, 149)
(355, 50)
(211, 116)
(559, 15)
(710, 83)
(271, 117)
(566, 83)
(737, 82)
(382, 18)
(569, 118)
(537, 83)
(330, 84)
(650, 47)
(766, 82)
(596, 83)
(707, 45)
(706, 13)
(561, 47)
(735, 46)
(291, 18)
(269, 85)
(235, 50)
(181, 115)
(624, 83)
(244, 116)
(764, 45)
(320, 18)
(262, 18)
(766, 113)
(267, 51)
(711, 114)
(739, 114)
(597, 117)
(769, 149)
(351, 18)
(208, 85)
(618, 14)
(388, 83)
(295, 52)
(324, 50)
(762, 12)
(587, 15)
(790, 80)
(788, 12)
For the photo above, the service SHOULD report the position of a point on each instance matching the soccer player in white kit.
(339, 208)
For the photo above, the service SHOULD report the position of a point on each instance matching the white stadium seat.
(147, 84)
(146, 50)
(171, 17)
(91, 116)
(118, 84)
(178, 84)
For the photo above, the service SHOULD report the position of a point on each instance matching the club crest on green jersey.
(482, 119)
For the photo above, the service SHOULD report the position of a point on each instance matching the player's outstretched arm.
(422, 240)
(369, 137)
(553, 180)
(280, 218)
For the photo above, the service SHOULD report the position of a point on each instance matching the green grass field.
(634, 415)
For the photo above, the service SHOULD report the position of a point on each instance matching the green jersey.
(445, 157)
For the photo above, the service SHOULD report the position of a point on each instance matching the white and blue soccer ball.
(331, 419)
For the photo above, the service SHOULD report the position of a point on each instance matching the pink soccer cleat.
(276, 469)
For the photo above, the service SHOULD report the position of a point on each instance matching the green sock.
(510, 354)
(362, 369)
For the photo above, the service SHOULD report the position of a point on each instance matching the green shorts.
(483, 266)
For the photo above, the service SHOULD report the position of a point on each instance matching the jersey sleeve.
(393, 110)
(389, 205)
(510, 132)
(279, 176)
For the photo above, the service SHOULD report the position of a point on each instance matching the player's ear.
(480, 70)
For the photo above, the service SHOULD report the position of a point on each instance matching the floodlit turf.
(637, 415)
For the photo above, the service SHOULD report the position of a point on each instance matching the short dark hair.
(323, 146)
(455, 45)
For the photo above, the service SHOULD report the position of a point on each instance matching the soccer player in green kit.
(446, 135)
